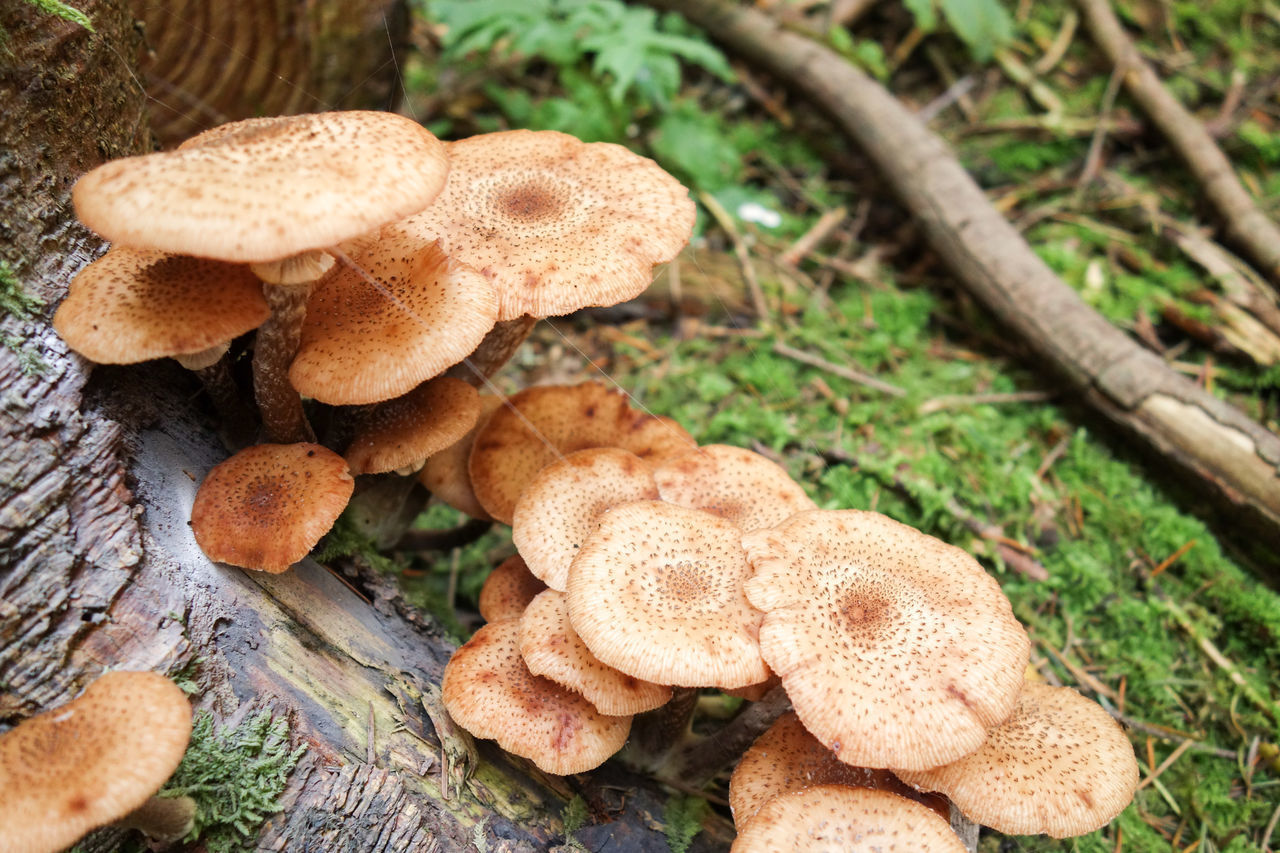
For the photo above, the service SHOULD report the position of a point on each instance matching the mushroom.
(445, 472)
(94, 761)
(897, 650)
(561, 506)
(399, 434)
(538, 425)
(551, 648)
(734, 483)
(508, 590)
(1059, 765)
(489, 691)
(268, 505)
(656, 592)
(277, 193)
(845, 819)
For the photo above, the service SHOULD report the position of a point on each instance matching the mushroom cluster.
(648, 567)
(383, 273)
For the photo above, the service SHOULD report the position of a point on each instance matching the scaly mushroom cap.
(361, 345)
(1060, 766)
(91, 761)
(787, 758)
(403, 432)
(133, 305)
(539, 425)
(551, 648)
(268, 505)
(489, 691)
(656, 592)
(897, 650)
(445, 473)
(843, 819)
(508, 590)
(734, 483)
(555, 223)
(562, 505)
(267, 188)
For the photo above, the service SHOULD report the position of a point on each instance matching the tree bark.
(99, 570)
(1226, 458)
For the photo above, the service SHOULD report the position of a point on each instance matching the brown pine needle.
(1164, 765)
(1172, 558)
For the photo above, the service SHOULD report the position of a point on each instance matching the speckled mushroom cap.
(508, 590)
(489, 691)
(734, 483)
(445, 473)
(787, 758)
(132, 305)
(91, 761)
(403, 432)
(561, 506)
(844, 819)
(363, 344)
(1060, 766)
(267, 188)
(897, 650)
(656, 591)
(539, 425)
(552, 648)
(555, 223)
(268, 505)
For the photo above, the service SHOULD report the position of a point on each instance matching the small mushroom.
(399, 434)
(508, 590)
(734, 483)
(94, 761)
(445, 473)
(268, 505)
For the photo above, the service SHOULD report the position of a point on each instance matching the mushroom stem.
(383, 507)
(653, 733)
(494, 350)
(276, 344)
(444, 540)
(238, 421)
(165, 819)
(696, 763)
(965, 828)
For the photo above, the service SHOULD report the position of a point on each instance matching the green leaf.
(983, 25)
(925, 13)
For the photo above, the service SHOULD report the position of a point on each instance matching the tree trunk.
(98, 567)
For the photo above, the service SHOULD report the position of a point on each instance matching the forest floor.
(1128, 595)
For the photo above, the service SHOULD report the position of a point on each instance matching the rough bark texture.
(1223, 455)
(99, 570)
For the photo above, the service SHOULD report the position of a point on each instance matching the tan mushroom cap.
(267, 188)
(656, 592)
(844, 819)
(508, 452)
(555, 223)
(1060, 766)
(508, 590)
(445, 473)
(734, 483)
(897, 650)
(363, 344)
(489, 691)
(787, 758)
(133, 305)
(403, 432)
(551, 648)
(268, 505)
(91, 761)
(562, 505)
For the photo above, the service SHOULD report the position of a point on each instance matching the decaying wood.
(1243, 221)
(99, 569)
(1229, 458)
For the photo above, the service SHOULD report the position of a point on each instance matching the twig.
(855, 376)
(740, 251)
(951, 401)
(1093, 159)
(810, 239)
(1061, 41)
(1039, 91)
(1164, 765)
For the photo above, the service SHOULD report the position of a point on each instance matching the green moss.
(17, 303)
(61, 10)
(682, 821)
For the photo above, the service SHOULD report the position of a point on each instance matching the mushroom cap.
(897, 650)
(90, 761)
(551, 648)
(268, 505)
(555, 223)
(562, 505)
(787, 758)
(539, 425)
(445, 472)
(405, 431)
(734, 483)
(508, 590)
(845, 819)
(656, 592)
(132, 305)
(489, 691)
(363, 344)
(1059, 765)
(266, 188)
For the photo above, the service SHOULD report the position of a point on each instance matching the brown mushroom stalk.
(165, 819)
(653, 733)
(273, 351)
(696, 762)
